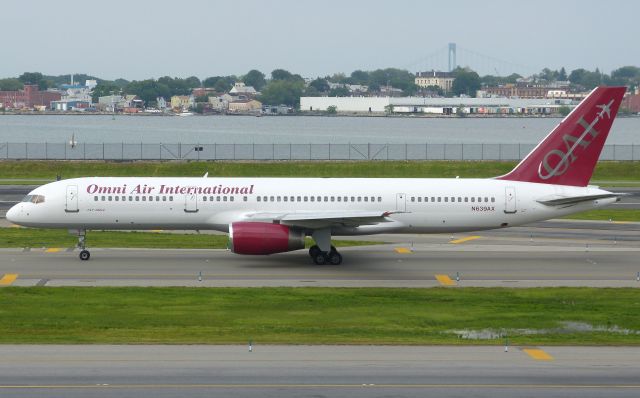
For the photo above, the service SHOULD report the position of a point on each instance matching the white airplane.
(273, 215)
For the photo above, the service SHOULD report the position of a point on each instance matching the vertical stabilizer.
(568, 155)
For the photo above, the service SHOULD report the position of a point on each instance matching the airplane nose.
(12, 214)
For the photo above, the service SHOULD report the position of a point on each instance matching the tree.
(11, 84)
(193, 82)
(255, 79)
(34, 78)
(389, 109)
(222, 86)
(466, 82)
(332, 110)
(104, 89)
(359, 77)
(562, 75)
(281, 74)
(320, 84)
(564, 110)
(437, 90)
(339, 92)
(282, 92)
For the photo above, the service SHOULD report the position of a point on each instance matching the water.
(286, 130)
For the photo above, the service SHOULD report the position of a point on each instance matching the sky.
(140, 39)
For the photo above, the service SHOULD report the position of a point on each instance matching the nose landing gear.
(84, 253)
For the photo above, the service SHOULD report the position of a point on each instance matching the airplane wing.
(322, 219)
(557, 200)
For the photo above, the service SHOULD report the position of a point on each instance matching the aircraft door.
(72, 199)
(510, 200)
(190, 203)
(401, 202)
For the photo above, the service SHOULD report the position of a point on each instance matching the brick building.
(29, 97)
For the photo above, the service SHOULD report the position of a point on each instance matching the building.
(530, 90)
(444, 80)
(182, 102)
(70, 105)
(631, 103)
(240, 88)
(28, 98)
(439, 106)
(203, 91)
(245, 106)
(109, 103)
(220, 103)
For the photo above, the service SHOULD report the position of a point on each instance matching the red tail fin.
(568, 155)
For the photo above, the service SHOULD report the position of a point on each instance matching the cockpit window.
(34, 199)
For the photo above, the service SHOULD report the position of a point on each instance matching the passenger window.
(164, 198)
(244, 198)
(319, 198)
(144, 198)
(379, 198)
(473, 199)
(433, 198)
(117, 198)
(224, 198)
(124, 198)
(258, 198)
(170, 198)
(333, 198)
(292, 198)
(493, 200)
(137, 198)
(353, 198)
(285, 198)
(306, 198)
(486, 199)
(359, 199)
(278, 198)
(466, 199)
(313, 198)
(439, 199)
(459, 199)
(366, 199)
(339, 198)
(446, 199)
(298, 199)
(413, 199)
(150, 198)
(130, 198)
(95, 198)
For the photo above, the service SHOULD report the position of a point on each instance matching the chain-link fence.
(142, 151)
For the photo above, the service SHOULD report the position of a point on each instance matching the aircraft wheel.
(320, 259)
(335, 258)
(314, 251)
(84, 255)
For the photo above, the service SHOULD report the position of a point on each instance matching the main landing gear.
(320, 258)
(84, 253)
(323, 253)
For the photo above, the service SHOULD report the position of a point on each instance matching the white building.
(423, 105)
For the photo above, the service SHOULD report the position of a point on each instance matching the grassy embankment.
(28, 237)
(317, 315)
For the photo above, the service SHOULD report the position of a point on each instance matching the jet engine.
(263, 238)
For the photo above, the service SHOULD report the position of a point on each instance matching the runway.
(317, 371)
(554, 253)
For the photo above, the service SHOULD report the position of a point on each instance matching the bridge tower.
(452, 56)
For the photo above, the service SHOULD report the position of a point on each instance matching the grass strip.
(317, 315)
(607, 215)
(28, 237)
(605, 171)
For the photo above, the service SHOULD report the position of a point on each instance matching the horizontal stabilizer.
(570, 200)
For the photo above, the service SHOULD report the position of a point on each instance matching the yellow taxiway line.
(462, 240)
(445, 280)
(8, 279)
(538, 354)
(403, 250)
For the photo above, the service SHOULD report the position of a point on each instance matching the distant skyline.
(144, 39)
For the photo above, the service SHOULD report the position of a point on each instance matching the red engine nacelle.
(263, 238)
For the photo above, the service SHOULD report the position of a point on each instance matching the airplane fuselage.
(414, 205)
